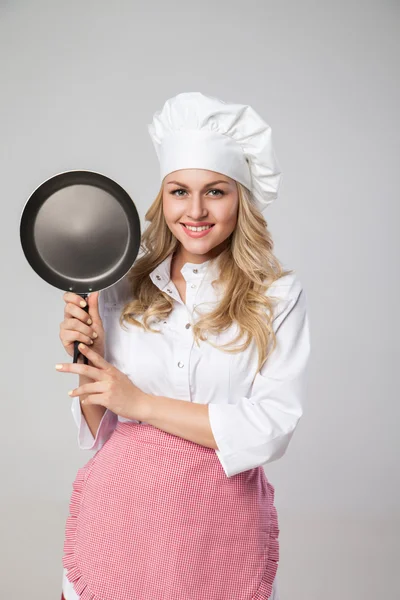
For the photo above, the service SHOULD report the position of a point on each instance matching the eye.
(182, 190)
(178, 190)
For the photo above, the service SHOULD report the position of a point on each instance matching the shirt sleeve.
(258, 428)
(109, 420)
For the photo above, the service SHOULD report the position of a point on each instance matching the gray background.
(79, 84)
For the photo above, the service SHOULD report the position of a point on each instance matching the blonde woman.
(195, 379)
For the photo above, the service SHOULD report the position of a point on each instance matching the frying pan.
(80, 232)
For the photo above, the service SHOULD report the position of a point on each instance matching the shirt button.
(180, 364)
(170, 291)
(193, 285)
(187, 325)
(158, 277)
(195, 271)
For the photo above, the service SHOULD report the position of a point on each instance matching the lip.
(196, 234)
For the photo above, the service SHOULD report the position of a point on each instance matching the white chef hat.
(195, 131)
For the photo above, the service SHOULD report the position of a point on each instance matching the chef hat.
(195, 131)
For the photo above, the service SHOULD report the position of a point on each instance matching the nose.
(196, 207)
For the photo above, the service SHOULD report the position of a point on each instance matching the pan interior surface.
(81, 232)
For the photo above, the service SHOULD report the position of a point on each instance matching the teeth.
(198, 228)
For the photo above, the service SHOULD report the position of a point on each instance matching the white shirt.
(252, 416)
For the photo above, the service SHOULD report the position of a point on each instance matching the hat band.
(201, 149)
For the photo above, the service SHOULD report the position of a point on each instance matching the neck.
(182, 256)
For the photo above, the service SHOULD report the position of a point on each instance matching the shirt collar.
(205, 271)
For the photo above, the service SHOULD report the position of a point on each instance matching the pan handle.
(76, 343)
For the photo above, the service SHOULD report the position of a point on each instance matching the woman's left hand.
(110, 387)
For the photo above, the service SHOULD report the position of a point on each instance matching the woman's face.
(200, 197)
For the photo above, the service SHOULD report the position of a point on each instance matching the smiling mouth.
(198, 228)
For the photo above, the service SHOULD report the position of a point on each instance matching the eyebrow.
(207, 185)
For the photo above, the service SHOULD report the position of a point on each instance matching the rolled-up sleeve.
(258, 428)
(86, 440)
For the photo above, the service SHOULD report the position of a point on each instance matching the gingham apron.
(153, 516)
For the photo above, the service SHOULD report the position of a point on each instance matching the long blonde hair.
(247, 268)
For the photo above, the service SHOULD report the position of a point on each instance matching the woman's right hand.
(75, 326)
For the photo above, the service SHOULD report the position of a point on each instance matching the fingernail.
(58, 366)
(70, 392)
(81, 346)
(94, 334)
(89, 321)
(82, 303)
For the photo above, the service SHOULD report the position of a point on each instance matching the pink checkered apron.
(154, 517)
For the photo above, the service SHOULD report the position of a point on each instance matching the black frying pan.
(80, 232)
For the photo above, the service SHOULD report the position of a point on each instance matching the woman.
(195, 380)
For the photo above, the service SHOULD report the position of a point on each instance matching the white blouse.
(252, 415)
